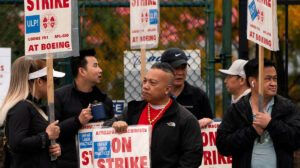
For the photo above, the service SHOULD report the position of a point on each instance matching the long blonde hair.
(19, 84)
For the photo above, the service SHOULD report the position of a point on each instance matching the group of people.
(175, 109)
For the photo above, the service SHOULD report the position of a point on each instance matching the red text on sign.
(46, 4)
(57, 45)
(213, 158)
(116, 145)
(209, 138)
(127, 162)
(265, 2)
(86, 156)
(142, 2)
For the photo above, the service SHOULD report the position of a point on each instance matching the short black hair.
(164, 67)
(80, 61)
(251, 68)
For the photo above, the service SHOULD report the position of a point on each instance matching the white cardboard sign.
(47, 26)
(85, 141)
(262, 25)
(211, 158)
(130, 149)
(144, 24)
(103, 147)
(5, 69)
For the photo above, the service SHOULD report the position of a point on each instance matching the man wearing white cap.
(236, 80)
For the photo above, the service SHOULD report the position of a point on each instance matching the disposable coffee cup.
(98, 112)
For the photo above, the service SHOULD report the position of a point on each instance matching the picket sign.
(48, 30)
(5, 70)
(211, 157)
(103, 147)
(144, 28)
(262, 28)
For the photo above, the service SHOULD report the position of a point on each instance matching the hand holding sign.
(53, 130)
(262, 119)
(120, 126)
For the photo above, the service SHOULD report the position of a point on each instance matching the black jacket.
(28, 141)
(68, 104)
(176, 137)
(236, 135)
(195, 100)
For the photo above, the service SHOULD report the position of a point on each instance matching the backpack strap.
(38, 109)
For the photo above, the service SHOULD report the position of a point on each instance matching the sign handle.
(143, 63)
(261, 79)
(50, 93)
(260, 82)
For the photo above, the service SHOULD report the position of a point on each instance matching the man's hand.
(258, 129)
(204, 122)
(53, 130)
(55, 150)
(262, 119)
(85, 115)
(120, 126)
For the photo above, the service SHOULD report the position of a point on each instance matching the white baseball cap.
(43, 72)
(236, 68)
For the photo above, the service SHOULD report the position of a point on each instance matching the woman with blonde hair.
(27, 129)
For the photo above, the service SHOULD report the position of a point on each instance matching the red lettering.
(229, 159)
(91, 153)
(207, 157)
(204, 138)
(212, 138)
(100, 163)
(143, 3)
(265, 2)
(58, 4)
(66, 3)
(116, 145)
(85, 158)
(221, 159)
(30, 5)
(126, 144)
(45, 4)
(37, 5)
(214, 157)
(2, 68)
(143, 162)
(30, 48)
(109, 161)
(118, 163)
(134, 162)
(126, 162)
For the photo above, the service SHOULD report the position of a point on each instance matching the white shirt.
(234, 100)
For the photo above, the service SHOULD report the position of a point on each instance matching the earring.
(252, 83)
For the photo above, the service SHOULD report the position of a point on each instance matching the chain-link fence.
(104, 25)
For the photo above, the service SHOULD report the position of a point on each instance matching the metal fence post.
(226, 47)
(211, 60)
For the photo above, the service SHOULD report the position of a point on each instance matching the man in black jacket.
(176, 135)
(260, 139)
(73, 104)
(191, 97)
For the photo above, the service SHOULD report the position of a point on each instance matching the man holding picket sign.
(262, 130)
(260, 139)
(176, 135)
